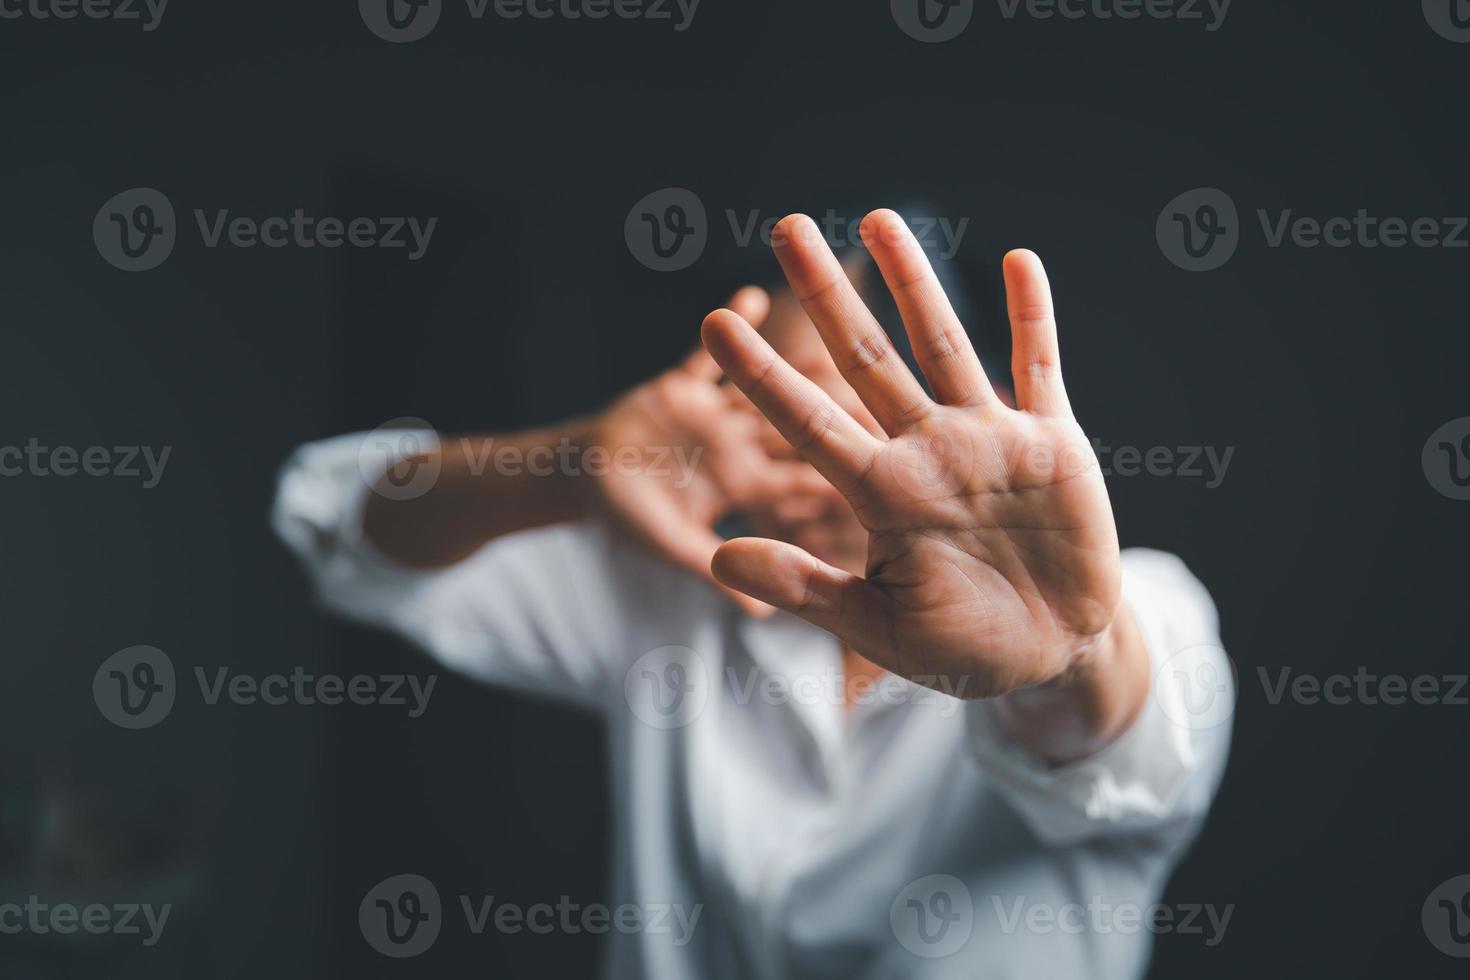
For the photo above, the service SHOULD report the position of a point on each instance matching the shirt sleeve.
(1161, 774)
(546, 611)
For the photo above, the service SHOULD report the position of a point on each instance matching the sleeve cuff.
(318, 512)
(1151, 774)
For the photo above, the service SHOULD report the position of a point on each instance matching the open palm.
(992, 558)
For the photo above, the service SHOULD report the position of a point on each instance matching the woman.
(783, 765)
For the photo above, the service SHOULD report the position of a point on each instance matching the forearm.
(487, 486)
(1087, 708)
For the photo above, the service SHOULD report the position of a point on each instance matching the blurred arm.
(487, 486)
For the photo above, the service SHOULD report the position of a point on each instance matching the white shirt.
(903, 837)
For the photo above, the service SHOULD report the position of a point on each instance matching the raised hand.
(992, 553)
(685, 415)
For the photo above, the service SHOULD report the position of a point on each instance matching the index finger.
(858, 343)
(814, 424)
(750, 302)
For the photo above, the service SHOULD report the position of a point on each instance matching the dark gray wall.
(1326, 369)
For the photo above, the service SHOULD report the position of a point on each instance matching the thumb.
(793, 579)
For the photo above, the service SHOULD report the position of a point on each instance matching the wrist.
(1092, 703)
(572, 491)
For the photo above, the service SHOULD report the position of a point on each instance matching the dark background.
(1325, 547)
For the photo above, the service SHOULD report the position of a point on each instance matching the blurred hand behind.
(700, 455)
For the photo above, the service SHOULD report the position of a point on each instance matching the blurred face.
(824, 525)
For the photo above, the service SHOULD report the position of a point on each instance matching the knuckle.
(868, 351)
(1032, 314)
(941, 346)
(913, 414)
(760, 379)
(809, 587)
(820, 290)
(912, 279)
(1038, 368)
(815, 427)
